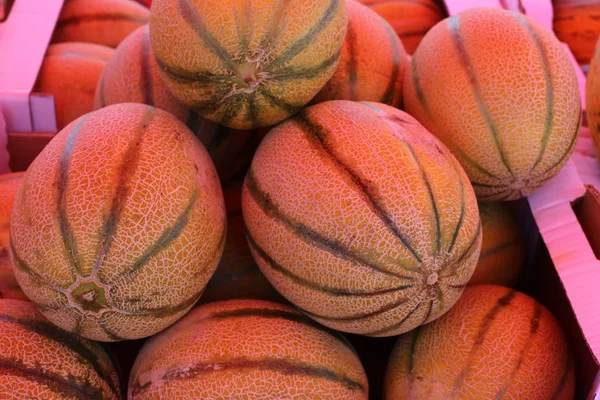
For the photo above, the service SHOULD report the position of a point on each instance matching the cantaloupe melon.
(245, 63)
(362, 218)
(500, 91)
(247, 349)
(577, 23)
(495, 343)
(119, 224)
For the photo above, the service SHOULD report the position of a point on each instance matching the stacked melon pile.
(252, 158)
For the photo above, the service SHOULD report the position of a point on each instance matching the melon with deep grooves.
(411, 19)
(503, 246)
(362, 218)
(372, 63)
(41, 361)
(245, 63)
(500, 91)
(105, 22)
(495, 343)
(9, 184)
(119, 224)
(70, 72)
(237, 275)
(577, 23)
(247, 349)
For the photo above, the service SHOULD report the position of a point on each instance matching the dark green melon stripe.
(276, 25)
(68, 237)
(252, 113)
(452, 267)
(318, 136)
(166, 238)
(307, 234)
(280, 103)
(282, 314)
(352, 66)
(484, 327)
(395, 326)
(244, 25)
(534, 326)
(125, 173)
(196, 22)
(549, 83)
(109, 332)
(498, 249)
(291, 73)
(181, 75)
(63, 387)
(287, 366)
(88, 356)
(165, 311)
(232, 107)
(567, 152)
(391, 92)
(306, 40)
(461, 218)
(564, 378)
(467, 66)
(413, 336)
(23, 266)
(147, 88)
(432, 199)
(337, 292)
(98, 17)
(425, 105)
(487, 185)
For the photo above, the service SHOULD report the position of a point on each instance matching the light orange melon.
(361, 218)
(251, 350)
(577, 23)
(245, 63)
(500, 91)
(119, 224)
(495, 343)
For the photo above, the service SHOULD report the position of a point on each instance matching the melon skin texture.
(247, 64)
(500, 91)
(9, 184)
(361, 218)
(247, 349)
(494, 343)
(41, 361)
(119, 224)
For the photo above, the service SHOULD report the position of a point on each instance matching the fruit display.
(105, 22)
(41, 361)
(511, 127)
(268, 199)
(410, 19)
(119, 224)
(241, 348)
(577, 23)
(503, 248)
(324, 203)
(70, 72)
(481, 360)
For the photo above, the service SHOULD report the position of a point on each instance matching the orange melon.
(40, 361)
(70, 72)
(9, 184)
(592, 100)
(362, 218)
(411, 19)
(500, 91)
(119, 224)
(503, 248)
(372, 62)
(494, 343)
(244, 63)
(105, 22)
(237, 275)
(247, 349)
(577, 23)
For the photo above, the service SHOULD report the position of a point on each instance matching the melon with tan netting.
(362, 218)
(119, 224)
(495, 343)
(245, 63)
(500, 91)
